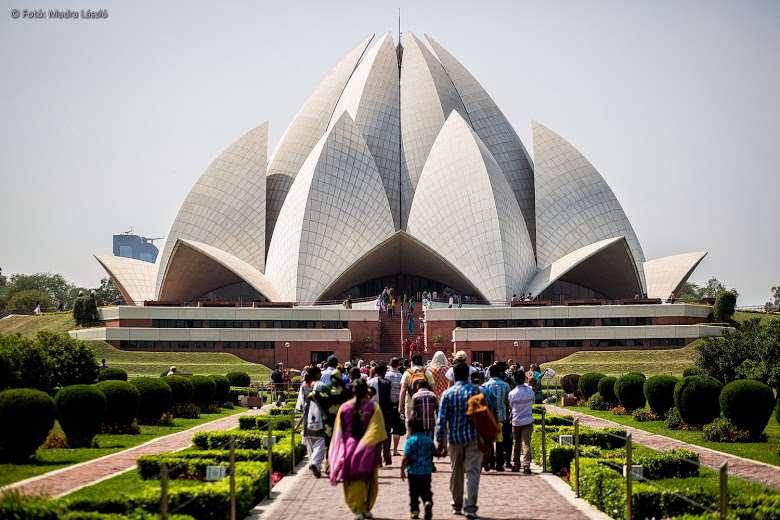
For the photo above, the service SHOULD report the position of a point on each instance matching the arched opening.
(404, 263)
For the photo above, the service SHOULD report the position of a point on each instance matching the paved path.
(66, 480)
(753, 470)
(502, 496)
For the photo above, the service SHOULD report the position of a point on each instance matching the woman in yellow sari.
(354, 450)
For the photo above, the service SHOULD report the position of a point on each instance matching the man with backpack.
(382, 396)
(417, 372)
(463, 447)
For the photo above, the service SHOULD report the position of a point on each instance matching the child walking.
(418, 464)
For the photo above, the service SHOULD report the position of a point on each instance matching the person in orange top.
(438, 369)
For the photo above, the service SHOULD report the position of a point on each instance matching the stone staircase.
(391, 332)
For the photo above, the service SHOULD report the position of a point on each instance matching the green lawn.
(762, 451)
(741, 316)
(618, 362)
(50, 459)
(30, 325)
(139, 363)
(127, 484)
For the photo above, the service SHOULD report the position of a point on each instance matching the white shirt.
(521, 401)
(450, 373)
(394, 376)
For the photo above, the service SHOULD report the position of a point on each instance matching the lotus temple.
(400, 171)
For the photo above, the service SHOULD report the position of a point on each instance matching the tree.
(724, 306)
(107, 292)
(689, 291)
(776, 297)
(85, 309)
(752, 351)
(24, 302)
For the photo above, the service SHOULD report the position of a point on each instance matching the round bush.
(696, 398)
(694, 371)
(589, 384)
(748, 404)
(203, 390)
(27, 416)
(181, 389)
(606, 388)
(629, 390)
(659, 391)
(112, 374)
(222, 392)
(122, 400)
(155, 398)
(80, 411)
(238, 378)
(570, 383)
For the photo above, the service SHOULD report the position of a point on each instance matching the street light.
(287, 355)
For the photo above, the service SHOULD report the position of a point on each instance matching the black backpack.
(383, 393)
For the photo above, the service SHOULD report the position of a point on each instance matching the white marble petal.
(134, 278)
(336, 211)
(305, 130)
(665, 275)
(226, 206)
(464, 209)
(575, 206)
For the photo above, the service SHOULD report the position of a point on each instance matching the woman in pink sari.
(354, 450)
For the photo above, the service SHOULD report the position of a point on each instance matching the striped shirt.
(424, 405)
(452, 414)
(495, 391)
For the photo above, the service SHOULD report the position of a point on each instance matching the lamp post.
(516, 345)
(287, 355)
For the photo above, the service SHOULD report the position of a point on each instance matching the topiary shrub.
(222, 389)
(155, 398)
(659, 392)
(629, 390)
(27, 416)
(748, 404)
(725, 302)
(122, 400)
(74, 360)
(238, 378)
(596, 402)
(606, 388)
(673, 420)
(203, 391)
(694, 371)
(696, 398)
(182, 391)
(112, 374)
(570, 383)
(589, 384)
(723, 430)
(80, 411)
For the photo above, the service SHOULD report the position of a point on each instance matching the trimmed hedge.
(694, 371)
(80, 412)
(570, 383)
(122, 400)
(155, 398)
(238, 378)
(221, 388)
(659, 392)
(205, 502)
(16, 506)
(696, 398)
(112, 374)
(182, 391)
(678, 463)
(27, 416)
(204, 389)
(629, 390)
(589, 384)
(606, 388)
(560, 457)
(284, 410)
(596, 402)
(748, 404)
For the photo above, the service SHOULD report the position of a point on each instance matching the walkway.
(750, 469)
(502, 496)
(67, 480)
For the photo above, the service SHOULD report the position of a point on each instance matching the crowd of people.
(355, 416)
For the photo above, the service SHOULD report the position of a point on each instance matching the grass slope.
(54, 458)
(30, 325)
(649, 362)
(763, 451)
(138, 363)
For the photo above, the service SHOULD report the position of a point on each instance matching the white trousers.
(315, 448)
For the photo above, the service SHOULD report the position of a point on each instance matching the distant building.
(134, 246)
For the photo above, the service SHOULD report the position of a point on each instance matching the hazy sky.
(108, 123)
